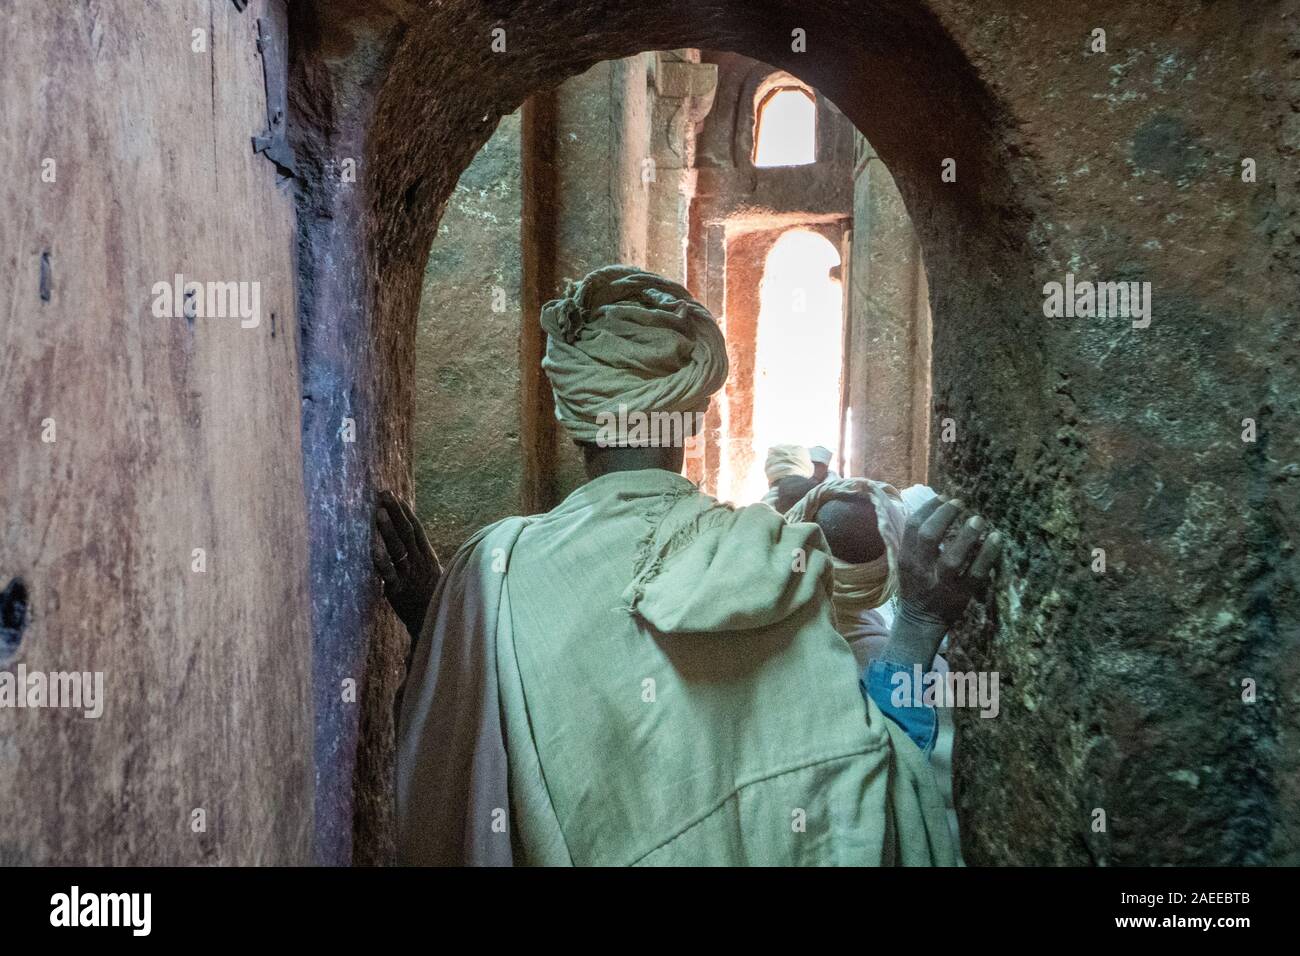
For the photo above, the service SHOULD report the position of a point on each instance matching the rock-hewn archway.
(1119, 690)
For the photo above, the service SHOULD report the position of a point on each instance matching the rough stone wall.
(1120, 691)
(1123, 690)
(468, 456)
(130, 440)
(349, 371)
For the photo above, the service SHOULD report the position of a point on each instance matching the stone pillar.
(602, 145)
(683, 96)
(746, 255)
(888, 362)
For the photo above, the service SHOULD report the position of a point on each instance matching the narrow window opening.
(785, 128)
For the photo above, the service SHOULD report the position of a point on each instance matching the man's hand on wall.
(405, 561)
(936, 580)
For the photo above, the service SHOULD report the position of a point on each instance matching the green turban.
(624, 341)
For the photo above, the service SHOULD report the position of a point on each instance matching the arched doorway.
(1024, 154)
(417, 127)
(798, 357)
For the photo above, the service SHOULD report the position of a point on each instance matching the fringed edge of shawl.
(649, 560)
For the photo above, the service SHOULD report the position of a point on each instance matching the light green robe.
(672, 690)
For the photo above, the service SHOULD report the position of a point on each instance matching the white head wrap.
(785, 461)
(820, 454)
(624, 341)
(860, 587)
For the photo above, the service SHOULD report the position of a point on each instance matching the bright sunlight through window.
(785, 131)
(797, 361)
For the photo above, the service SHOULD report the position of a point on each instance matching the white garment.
(786, 461)
(916, 495)
(867, 635)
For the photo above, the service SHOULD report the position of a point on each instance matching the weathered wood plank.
(170, 435)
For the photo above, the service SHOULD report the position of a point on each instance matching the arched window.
(785, 127)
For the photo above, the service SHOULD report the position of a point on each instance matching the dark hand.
(937, 585)
(405, 561)
(934, 586)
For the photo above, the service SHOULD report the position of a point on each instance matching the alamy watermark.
(921, 688)
(208, 300)
(1100, 300)
(133, 911)
(629, 428)
(69, 690)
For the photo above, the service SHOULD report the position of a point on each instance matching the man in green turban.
(644, 675)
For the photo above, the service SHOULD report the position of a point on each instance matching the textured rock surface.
(1120, 691)
(468, 462)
